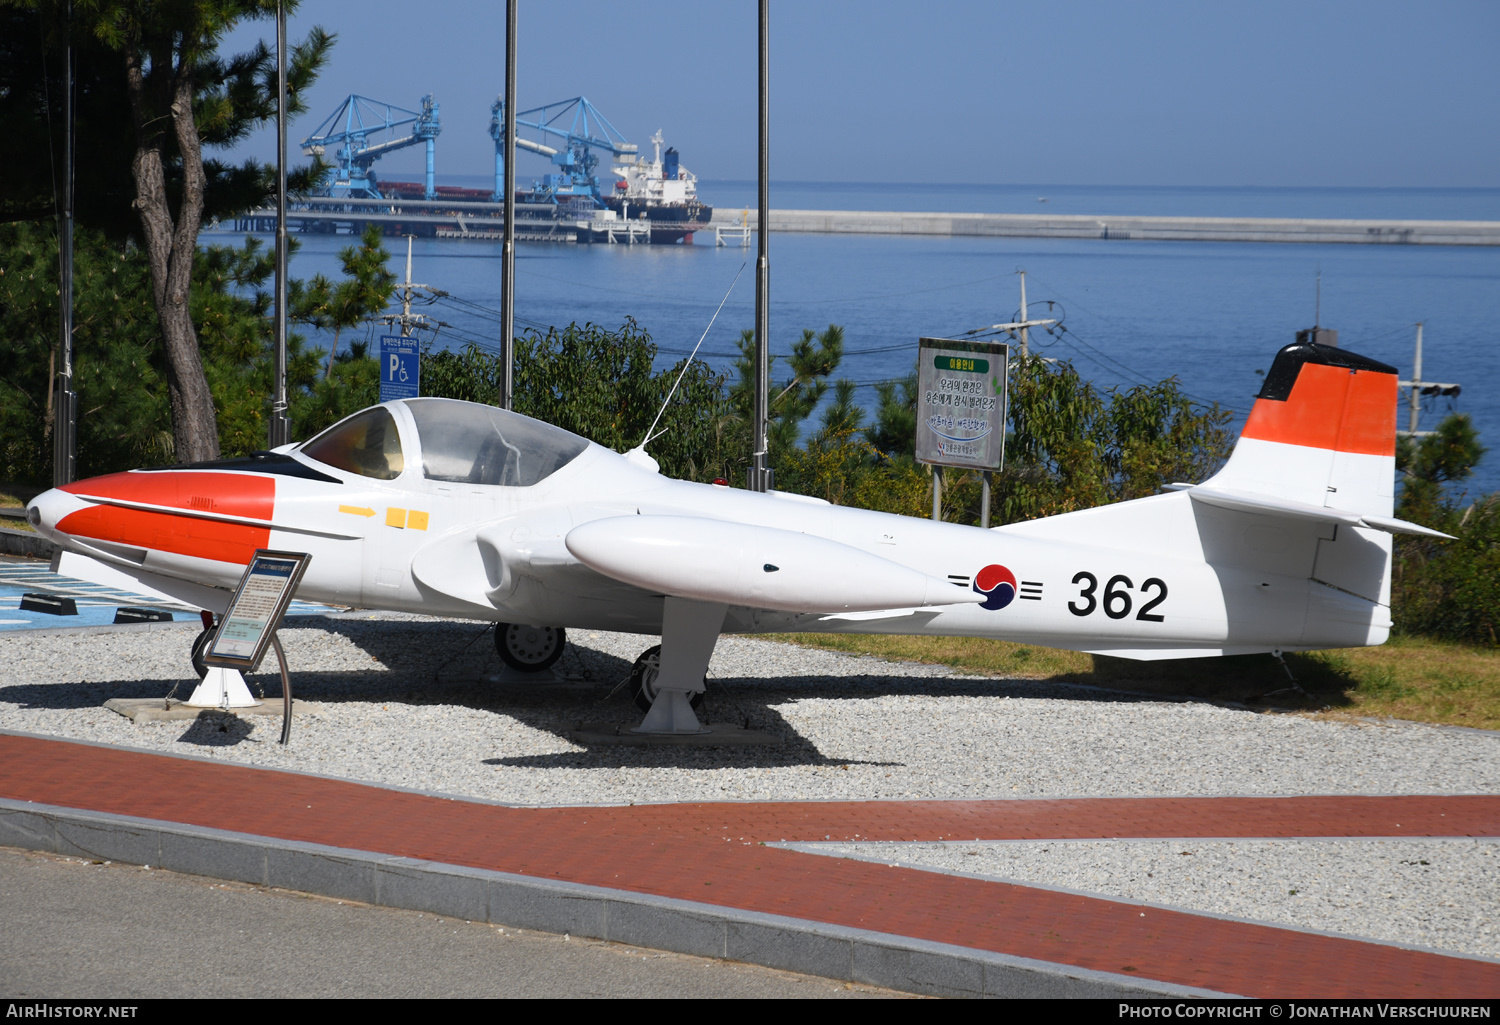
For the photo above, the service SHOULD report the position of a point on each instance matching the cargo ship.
(660, 191)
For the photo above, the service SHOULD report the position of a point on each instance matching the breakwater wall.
(1178, 229)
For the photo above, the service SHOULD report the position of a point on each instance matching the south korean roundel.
(997, 584)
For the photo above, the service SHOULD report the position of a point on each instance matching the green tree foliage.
(167, 81)
(790, 400)
(233, 95)
(1069, 446)
(894, 432)
(33, 119)
(1446, 588)
(1072, 447)
(601, 384)
(365, 290)
(125, 417)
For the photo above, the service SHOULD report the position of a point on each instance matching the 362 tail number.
(1116, 601)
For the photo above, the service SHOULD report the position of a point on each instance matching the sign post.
(249, 624)
(400, 368)
(961, 406)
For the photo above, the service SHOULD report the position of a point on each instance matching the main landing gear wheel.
(529, 649)
(643, 680)
(200, 645)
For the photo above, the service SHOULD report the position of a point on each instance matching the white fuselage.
(1163, 576)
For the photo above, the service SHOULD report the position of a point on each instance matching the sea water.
(1210, 314)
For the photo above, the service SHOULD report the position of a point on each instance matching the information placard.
(961, 392)
(400, 368)
(256, 609)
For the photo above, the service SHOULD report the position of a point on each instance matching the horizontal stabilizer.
(756, 567)
(1271, 505)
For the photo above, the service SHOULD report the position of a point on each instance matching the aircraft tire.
(529, 649)
(200, 645)
(643, 680)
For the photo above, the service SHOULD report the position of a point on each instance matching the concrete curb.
(25, 544)
(481, 895)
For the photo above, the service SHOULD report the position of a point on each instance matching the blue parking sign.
(400, 368)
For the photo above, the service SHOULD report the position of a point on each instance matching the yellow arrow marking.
(357, 510)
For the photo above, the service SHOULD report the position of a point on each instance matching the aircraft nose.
(46, 510)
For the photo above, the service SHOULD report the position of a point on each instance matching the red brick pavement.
(714, 853)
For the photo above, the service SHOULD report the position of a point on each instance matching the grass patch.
(15, 495)
(1406, 678)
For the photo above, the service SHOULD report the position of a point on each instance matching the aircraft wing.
(759, 567)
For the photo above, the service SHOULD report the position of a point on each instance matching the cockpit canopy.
(366, 443)
(470, 443)
(461, 442)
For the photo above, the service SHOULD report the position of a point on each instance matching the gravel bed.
(405, 702)
(412, 702)
(1439, 894)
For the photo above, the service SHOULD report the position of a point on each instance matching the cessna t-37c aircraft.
(458, 509)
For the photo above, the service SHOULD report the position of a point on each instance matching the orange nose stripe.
(230, 494)
(233, 494)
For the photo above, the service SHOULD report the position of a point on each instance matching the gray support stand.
(689, 631)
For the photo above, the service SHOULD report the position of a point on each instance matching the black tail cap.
(1289, 363)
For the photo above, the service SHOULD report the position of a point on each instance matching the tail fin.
(1320, 448)
(1322, 432)
(1297, 525)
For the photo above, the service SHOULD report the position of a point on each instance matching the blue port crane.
(580, 129)
(354, 132)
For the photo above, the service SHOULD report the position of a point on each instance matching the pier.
(1165, 229)
(545, 223)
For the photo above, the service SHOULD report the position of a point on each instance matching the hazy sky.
(1304, 93)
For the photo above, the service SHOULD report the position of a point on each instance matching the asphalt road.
(73, 929)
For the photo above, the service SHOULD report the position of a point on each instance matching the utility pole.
(1025, 333)
(1419, 388)
(1020, 329)
(280, 429)
(760, 472)
(406, 318)
(508, 246)
(1015, 328)
(65, 406)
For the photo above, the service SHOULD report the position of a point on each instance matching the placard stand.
(248, 626)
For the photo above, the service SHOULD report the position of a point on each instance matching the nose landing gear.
(529, 649)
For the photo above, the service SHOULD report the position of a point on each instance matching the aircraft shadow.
(425, 663)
